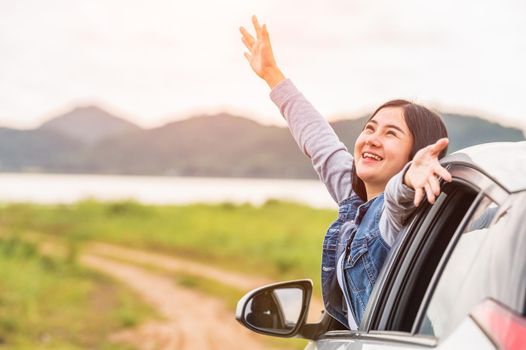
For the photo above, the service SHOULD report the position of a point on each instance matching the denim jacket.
(356, 234)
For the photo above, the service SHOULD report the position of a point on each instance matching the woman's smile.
(370, 156)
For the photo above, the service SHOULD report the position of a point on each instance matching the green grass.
(280, 240)
(52, 303)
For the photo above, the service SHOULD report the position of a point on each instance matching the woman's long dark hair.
(426, 127)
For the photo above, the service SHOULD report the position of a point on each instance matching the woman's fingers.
(264, 32)
(425, 180)
(443, 173)
(429, 193)
(257, 27)
(429, 188)
(419, 195)
(429, 185)
(247, 43)
(247, 38)
(426, 191)
(431, 151)
(439, 146)
(434, 185)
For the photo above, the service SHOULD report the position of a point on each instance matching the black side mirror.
(278, 309)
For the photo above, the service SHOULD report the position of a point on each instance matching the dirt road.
(170, 263)
(193, 320)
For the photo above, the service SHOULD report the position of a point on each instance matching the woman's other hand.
(425, 170)
(260, 54)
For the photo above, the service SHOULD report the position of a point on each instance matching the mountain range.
(90, 140)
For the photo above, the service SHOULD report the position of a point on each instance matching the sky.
(157, 61)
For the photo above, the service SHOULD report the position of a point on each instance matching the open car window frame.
(390, 285)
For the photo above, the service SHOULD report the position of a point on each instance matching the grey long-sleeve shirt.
(333, 162)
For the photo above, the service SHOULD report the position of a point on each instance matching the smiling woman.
(376, 190)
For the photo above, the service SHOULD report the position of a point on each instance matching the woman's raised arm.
(315, 137)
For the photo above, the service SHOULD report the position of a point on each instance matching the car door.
(395, 317)
(482, 274)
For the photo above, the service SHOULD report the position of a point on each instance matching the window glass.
(456, 293)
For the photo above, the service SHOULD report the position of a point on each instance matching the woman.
(395, 165)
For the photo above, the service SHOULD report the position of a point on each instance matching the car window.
(416, 258)
(455, 293)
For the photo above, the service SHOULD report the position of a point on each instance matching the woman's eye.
(390, 132)
(369, 128)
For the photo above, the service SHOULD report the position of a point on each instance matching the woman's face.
(382, 149)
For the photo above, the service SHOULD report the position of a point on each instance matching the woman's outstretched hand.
(423, 173)
(260, 54)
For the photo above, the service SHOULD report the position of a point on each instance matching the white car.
(456, 279)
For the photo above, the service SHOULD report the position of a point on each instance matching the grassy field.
(280, 240)
(54, 303)
(49, 302)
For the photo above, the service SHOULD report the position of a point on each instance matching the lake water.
(53, 188)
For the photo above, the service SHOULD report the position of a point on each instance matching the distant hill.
(221, 145)
(37, 150)
(467, 131)
(90, 140)
(89, 124)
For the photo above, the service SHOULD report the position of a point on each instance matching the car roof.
(503, 161)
